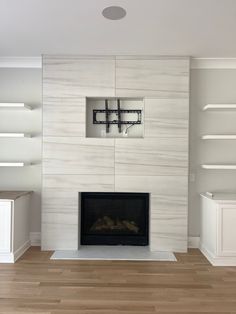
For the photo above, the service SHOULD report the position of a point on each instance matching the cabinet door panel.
(227, 231)
(5, 226)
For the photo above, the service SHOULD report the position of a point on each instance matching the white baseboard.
(17, 254)
(193, 242)
(35, 238)
(218, 260)
(12, 257)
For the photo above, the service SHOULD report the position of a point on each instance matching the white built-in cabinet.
(218, 228)
(14, 225)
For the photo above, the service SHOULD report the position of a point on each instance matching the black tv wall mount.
(119, 113)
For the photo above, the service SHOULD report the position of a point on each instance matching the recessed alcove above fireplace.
(114, 218)
(114, 117)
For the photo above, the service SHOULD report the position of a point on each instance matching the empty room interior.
(117, 156)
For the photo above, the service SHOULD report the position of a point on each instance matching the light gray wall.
(210, 86)
(22, 85)
(206, 86)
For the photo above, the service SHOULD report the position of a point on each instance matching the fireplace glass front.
(114, 218)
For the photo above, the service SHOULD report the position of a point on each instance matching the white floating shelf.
(219, 137)
(18, 135)
(219, 107)
(13, 164)
(219, 167)
(16, 105)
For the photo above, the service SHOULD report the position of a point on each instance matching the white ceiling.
(200, 28)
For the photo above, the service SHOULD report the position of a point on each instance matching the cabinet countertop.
(221, 197)
(13, 195)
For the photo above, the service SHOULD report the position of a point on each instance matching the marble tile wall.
(157, 163)
(154, 78)
(78, 155)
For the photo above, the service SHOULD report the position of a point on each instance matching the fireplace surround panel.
(154, 160)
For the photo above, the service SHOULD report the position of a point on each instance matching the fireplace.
(114, 218)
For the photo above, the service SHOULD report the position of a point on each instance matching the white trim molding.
(21, 62)
(35, 238)
(19, 252)
(196, 63)
(213, 63)
(217, 260)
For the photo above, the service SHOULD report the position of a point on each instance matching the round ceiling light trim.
(114, 13)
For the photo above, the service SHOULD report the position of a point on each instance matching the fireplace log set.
(106, 223)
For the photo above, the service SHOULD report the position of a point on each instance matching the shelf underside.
(13, 164)
(219, 167)
(219, 137)
(14, 135)
(7, 106)
(219, 107)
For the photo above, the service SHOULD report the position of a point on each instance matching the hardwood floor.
(35, 284)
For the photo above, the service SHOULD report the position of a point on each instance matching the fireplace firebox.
(114, 218)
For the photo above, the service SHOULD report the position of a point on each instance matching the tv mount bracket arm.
(119, 113)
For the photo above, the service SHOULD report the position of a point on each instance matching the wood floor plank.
(38, 285)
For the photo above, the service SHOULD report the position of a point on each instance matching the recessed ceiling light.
(114, 13)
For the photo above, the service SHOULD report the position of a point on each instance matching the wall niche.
(113, 117)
